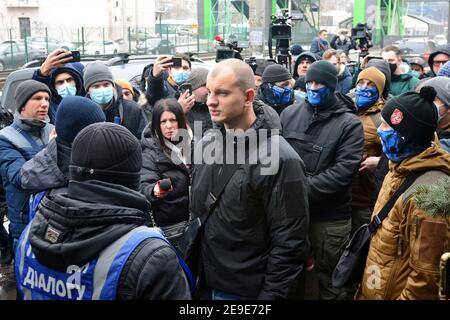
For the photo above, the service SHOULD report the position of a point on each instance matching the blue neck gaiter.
(395, 146)
(366, 97)
(317, 97)
(283, 96)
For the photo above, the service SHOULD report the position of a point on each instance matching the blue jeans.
(219, 295)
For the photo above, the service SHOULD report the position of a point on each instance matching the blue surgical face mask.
(102, 96)
(283, 96)
(366, 97)
(180, 77)
(415, 73)
(67, 90)
(317, 97)
(342, 38)
(300, 95)
(395, 147)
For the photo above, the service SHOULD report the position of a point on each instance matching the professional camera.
(281, 31)
(227, 50)
(252, 63)
(362, 35)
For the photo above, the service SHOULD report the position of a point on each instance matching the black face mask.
(393, 67)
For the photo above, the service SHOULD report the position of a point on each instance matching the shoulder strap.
(376, 119)
(26, 135)
(224, 176)
(378, 219)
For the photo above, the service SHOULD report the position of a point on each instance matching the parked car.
(12, 55)
(440, 39)
(155, 46)
(183, 31)
(29, 44)
(415, 45)
(53, 44)
(100, 47)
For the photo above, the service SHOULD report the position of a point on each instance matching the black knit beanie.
(26, 90)
(413, 115)
(107, 152)
(275, 73)
(323, 72)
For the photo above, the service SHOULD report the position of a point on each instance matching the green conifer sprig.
(434, 199)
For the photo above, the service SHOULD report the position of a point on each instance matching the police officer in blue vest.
(93, 242)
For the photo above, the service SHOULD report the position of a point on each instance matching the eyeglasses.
(439, 62)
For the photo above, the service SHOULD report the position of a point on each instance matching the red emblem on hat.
(396, 117)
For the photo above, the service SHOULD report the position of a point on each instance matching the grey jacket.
(42, 172)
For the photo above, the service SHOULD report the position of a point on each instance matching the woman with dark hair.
(165, 175)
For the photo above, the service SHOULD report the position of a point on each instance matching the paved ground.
(7, 283)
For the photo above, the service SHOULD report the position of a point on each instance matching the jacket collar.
(433, 158)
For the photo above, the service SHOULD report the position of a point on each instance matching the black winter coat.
(156, 165)
(330, 141)
(255, 241)
(158, 88)
(93, 215)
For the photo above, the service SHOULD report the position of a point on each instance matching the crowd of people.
(100, 178)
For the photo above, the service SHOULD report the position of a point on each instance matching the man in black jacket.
(329, 137)
(101, 88)
(93, 242)
(254, 243)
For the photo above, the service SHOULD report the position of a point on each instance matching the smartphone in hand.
(76, 56)
(186, 86)
(176, 62)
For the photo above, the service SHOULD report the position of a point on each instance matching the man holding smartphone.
(193, 97)
(165, 77)
(63, 76)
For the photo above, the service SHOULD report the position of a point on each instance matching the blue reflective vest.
(97, 280)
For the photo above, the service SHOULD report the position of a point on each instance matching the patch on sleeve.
(433, 236)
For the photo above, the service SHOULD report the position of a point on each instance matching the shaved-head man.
(232, 90)
(254, 243)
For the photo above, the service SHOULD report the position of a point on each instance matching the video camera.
(281, 31)
(227, 50)
(252, 63)
(362, 35)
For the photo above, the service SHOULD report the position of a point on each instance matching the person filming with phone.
(165, 77)
(63, 74)
(193, 97)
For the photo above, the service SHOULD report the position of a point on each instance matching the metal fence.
(21, 46)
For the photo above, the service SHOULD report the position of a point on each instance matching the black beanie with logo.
(107, 152)
(413, 115)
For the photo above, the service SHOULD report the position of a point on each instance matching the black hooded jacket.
(330, 141)
(91, 216)
(311, 56)
(255, 241)
(445, 49)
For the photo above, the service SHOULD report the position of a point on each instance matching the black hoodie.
(91, 216)
(445, 49)
(330, 141)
